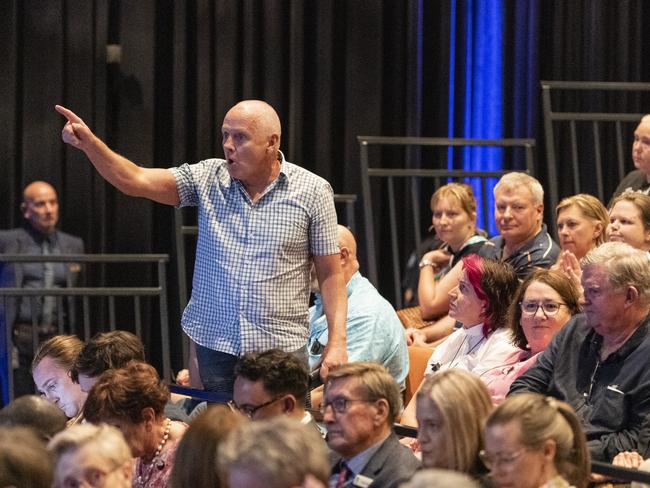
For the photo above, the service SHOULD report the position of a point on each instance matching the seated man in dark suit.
(360, 405)
(38, 236)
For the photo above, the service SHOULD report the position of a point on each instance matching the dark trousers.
(217, 369)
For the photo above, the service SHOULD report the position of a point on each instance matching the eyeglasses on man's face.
(549, 308)
(250, 410)
(340, 404)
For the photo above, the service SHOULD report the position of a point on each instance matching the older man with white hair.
(599, 362)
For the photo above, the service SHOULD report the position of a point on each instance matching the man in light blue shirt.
(374, 332)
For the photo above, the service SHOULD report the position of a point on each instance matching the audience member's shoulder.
(72, 241)
(632, 181)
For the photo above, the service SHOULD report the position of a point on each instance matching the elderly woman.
(133, 399)
(91, 455)
(544, 302)
(480, 303)
(452, 407)
(629, 220)
(533, 441)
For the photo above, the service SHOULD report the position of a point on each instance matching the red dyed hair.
(495, 284)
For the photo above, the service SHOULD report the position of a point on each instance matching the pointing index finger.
(68, 114)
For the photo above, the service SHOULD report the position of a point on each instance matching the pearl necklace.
(145, 470)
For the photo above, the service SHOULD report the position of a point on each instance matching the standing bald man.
(262, 221)
(38, 236)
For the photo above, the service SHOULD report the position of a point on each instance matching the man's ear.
(344, 252)
(383, 410)
(631, 295)
(23, 209)
(289, 404)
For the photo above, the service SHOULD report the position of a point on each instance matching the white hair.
(511, 181)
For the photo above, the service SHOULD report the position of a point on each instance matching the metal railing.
(85, 293)
(439, 176)
(183, 230)
(568, 133)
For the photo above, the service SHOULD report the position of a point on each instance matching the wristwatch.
(427, 262)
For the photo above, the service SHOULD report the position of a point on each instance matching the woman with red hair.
(479, 303)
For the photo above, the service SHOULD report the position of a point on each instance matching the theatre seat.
(418, 357)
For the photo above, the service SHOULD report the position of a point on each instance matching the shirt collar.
(357, 463)
(628, 346)
(227, 180)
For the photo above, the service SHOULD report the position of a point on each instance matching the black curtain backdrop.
(333, 69)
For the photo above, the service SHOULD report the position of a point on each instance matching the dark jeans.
(217, 369)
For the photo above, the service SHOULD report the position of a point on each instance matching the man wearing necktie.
(359, 408)
(37, 236)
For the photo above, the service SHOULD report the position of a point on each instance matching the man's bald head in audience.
(641, 145)
(35, 412)
(40, 206)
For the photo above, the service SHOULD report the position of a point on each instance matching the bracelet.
(428, 262)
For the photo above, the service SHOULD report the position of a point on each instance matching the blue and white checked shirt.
(251, 276)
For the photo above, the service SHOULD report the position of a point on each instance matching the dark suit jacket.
(391, 465)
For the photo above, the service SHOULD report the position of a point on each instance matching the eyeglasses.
(249, 410)
(340, 404)
(549, 308)
(505, 460)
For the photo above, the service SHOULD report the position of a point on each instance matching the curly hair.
(280, 372)
(124, 392)
(494, 283)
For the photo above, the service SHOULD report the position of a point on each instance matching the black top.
(611, 397)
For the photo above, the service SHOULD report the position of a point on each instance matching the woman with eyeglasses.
(543, 303)
(532, 441)
(480, 304)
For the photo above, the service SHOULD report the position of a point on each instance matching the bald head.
(348, 252)
(346, 239)
(35, 412)
(263, 117)
(41, 206)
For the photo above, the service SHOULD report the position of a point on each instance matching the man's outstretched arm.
(157, 184)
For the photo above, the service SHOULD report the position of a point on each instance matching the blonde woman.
(581, 224)
(533, 441)
(452, 407)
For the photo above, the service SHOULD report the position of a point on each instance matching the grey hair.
(439, 478)
(516, 179)
(625, 265)
(106, 440)
(280, 452)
